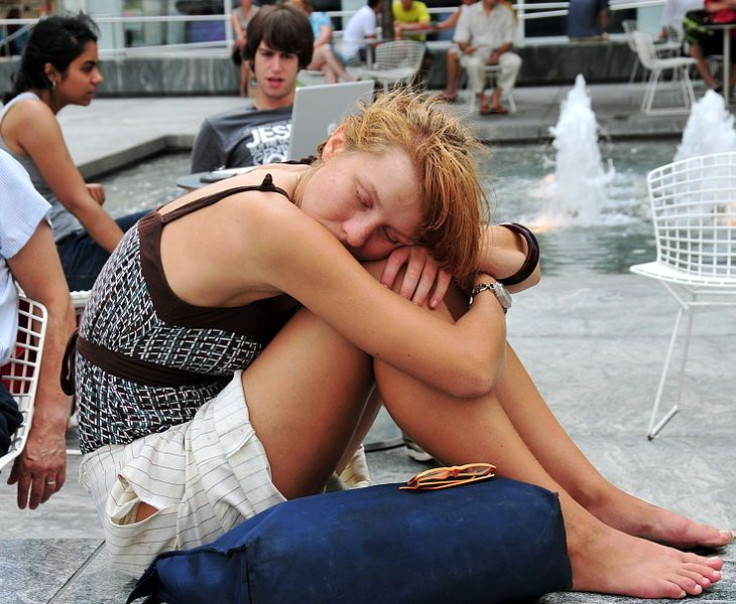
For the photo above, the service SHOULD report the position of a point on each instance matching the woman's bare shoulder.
(28, 123)
(248, 194)
(30, 109)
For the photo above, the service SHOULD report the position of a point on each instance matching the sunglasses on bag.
(446, 477)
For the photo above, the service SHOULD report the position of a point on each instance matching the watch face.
(503, 295)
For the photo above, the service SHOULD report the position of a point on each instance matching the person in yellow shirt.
(411, 16)
(412, 21)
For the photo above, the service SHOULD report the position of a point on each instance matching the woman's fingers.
(423, 280)
(96, 192)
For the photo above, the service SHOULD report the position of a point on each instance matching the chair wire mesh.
(694, 212)
(20, 373)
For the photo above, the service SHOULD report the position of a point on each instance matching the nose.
(97, 77)
(278, 63)
(357, 231)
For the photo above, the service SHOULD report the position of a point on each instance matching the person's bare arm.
(283, 250)
(450, 22)
(496, 54)
(714, 7)
(34, 128)
(504, 252)
(38, 271)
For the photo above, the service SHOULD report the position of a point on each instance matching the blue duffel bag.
(489, 541)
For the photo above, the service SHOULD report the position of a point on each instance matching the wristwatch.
(501, 293)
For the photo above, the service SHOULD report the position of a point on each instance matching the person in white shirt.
(29, 258)
(454, 72)
(361, 27)
(485, 36)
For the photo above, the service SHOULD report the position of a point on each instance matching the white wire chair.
(663, 49)
(694, 212)
(679, 66)
(79, 302)
(20, 374)
(396, 62)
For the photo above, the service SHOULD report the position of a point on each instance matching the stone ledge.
(216, 75)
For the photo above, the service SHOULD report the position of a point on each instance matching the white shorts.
(204, 477)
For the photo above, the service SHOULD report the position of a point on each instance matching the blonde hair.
(454, 204)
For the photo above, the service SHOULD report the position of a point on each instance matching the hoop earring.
(53, 84)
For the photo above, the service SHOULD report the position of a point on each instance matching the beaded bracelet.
(532, 254)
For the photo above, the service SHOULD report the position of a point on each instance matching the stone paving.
(594, 346)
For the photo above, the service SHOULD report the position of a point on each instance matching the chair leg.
(685, 351)
(688, 88)
(634, 70)
(648, 100)
(654, 426)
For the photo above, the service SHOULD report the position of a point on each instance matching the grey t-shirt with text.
(244, 137)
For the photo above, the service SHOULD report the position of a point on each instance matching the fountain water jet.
(577, 193)
(709, 128)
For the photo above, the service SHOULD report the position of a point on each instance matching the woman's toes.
(715, 562)
(714, 576)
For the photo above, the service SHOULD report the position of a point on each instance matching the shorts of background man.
(475, 66)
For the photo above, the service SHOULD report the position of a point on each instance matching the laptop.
(318, 110)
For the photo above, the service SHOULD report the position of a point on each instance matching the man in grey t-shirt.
(279, 42)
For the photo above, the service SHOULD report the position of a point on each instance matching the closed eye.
(364, 200)
(390, 237)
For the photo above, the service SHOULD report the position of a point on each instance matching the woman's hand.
(96, 191)
(423, 279)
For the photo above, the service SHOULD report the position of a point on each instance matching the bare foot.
(608, 561)
(639, 518)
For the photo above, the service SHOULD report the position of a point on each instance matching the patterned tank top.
(146, 360)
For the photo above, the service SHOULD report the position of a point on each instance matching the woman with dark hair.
(60, 67)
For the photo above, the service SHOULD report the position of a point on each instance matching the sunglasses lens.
(473, 471)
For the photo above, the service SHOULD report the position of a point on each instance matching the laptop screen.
(318, 110)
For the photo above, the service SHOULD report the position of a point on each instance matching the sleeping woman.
(231, 343)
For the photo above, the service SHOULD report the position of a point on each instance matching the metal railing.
(113, 28)
(8, 38)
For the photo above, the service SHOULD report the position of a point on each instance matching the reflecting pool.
(518, 178)
(145, 185)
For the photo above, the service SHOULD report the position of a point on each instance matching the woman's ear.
(50, 71)
(335, 144)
